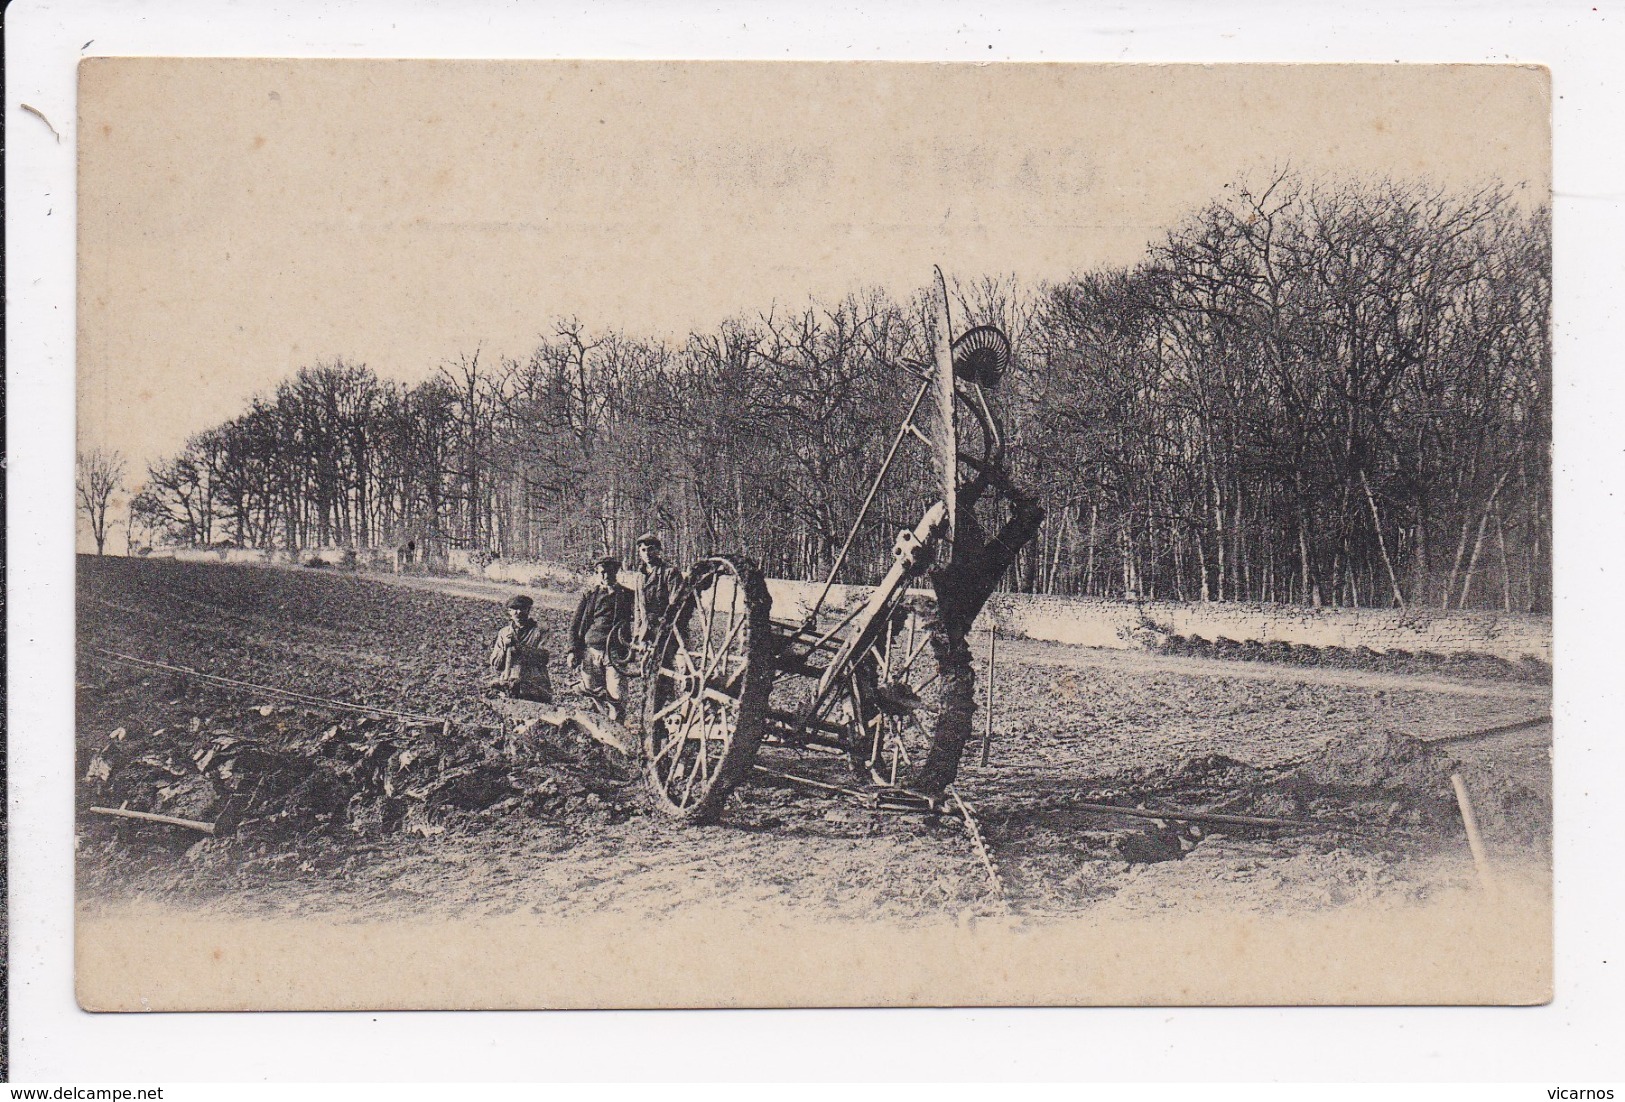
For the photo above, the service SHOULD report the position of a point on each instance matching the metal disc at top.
(982, 355)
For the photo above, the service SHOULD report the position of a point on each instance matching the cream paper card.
(1280, 379)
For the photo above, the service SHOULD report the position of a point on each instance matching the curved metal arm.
(993, 453)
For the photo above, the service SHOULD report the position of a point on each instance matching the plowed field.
(376, 816)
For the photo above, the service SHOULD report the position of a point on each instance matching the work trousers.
(603, 682)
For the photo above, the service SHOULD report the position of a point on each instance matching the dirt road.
(1071, 726)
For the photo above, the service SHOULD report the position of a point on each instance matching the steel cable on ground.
(1487, 732)
(303, 698)
(979, 843)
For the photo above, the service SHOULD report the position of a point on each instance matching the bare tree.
(98, 475)
(146, 516)
(1314, 391)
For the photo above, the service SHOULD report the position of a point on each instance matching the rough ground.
(357, 818)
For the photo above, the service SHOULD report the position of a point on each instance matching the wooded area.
(1317, 392)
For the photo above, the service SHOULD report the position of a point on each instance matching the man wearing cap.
(519, 658)
(600, 636)
(660, 579)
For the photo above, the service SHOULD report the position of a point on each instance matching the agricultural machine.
(889, 686)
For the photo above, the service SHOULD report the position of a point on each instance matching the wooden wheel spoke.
(694, 714)
(703, 752)
(913, 656)
(908, 648)
(678, 738)
(677, 762)
(897, 742)
(727, 645)
(683, 650)
(902, 745)
(672, 741)
(720, 697)
(693, 772)
(669, 708)
(705, 723)
(710, 620)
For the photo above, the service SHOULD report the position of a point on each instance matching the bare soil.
(441, 809)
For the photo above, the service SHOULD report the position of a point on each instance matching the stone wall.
(253, 556)
(1096, 622)
(1105, 623)
(189, 554)
(545, 575)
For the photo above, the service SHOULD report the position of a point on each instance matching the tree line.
(1308, 391)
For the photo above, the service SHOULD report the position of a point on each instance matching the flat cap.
(648, 538)
(520, 602)
(608, 560)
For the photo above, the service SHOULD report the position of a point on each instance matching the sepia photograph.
(647, 534)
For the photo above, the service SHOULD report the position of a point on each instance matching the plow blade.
(599, 728)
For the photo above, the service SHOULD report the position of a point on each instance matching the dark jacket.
(603, 621)
(520, 656)
(654, 595)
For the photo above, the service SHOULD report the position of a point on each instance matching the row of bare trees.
(1308, 392)
(1331, 393)
(334, 456)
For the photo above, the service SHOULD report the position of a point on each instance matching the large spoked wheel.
(706, 688)
(914, 696)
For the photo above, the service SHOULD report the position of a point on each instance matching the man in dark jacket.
(600, 637)
(660, 580)
(519, 657)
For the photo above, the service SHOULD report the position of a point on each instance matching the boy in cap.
(660, 579)
(600, 636)
(519, 657)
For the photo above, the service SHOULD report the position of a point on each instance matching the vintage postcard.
(722, 534)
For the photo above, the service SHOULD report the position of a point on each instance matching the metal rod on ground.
(987, 736)
(1183, 816)
(874, 801)
(149, 817)
(781, 775)
(1503, 729)
(1475, 840)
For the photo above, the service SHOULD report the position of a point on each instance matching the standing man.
(519, 658)
(601, 636)
(660, 580)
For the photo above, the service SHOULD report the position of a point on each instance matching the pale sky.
(241, 219)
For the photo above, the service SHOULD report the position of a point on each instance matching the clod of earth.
(302, 775)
